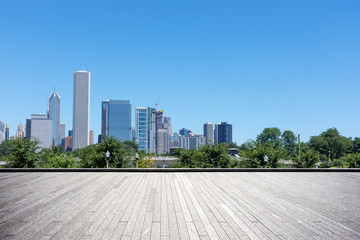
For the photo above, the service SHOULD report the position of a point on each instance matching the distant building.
(2, 131)
(7, 132)
(163, 136)
(223, 133)
(20, 132)
(208, 133)
(191, 141)
(47, 128)
(81, 109)
(91, 137)
(174, 140)
(68, 142)
(184, 132)
(145, 135)
(40, 128)
(116, 119)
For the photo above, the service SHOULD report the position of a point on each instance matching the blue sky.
(294, 65)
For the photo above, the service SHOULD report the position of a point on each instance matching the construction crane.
(157, 102)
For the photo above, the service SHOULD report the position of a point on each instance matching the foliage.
(206, 156)
(254, 156)
(23, 153)
(94, 156)
(288, 142)
(5, 148)
(270, 137)
(55, 158)
(356, 145)
(331, 141)
(308, 159)
(145, 161)
(351, 160)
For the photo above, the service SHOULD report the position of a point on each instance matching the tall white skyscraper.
(81, 109)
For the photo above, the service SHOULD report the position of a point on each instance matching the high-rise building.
(68, 142)
(116, 119)
(208, 133)
(81, 109)
(47, 128)
(144, 133)
(58, 129)
(184, 132)
(20, 132)
(91, 137)
(40, 128)
(2, 131)
(191, 141)
(223, 133)
(7, 132)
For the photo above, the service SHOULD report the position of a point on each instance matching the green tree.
(352, 160)
(288, 142)
(331, 141)
(356, 145)
(54, 157)
(23, 153)
(254, 156)
(5, 148)
(308, 159)
(270, 137)
(94, 156)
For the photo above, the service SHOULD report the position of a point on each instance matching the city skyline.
(291, 65)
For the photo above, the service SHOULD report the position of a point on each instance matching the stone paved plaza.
(179, 205)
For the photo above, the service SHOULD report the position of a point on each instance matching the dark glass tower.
(116, 119)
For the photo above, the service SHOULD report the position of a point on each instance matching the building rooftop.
(179, 205)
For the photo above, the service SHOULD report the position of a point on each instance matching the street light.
(107, 154)
(266, 160)
(137, 160)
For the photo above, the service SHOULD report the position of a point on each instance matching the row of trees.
(329, 149)
(25, 153)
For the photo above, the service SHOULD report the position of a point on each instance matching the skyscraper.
(46, 127)
(208, 133)
(223, 133)
(7, 132)
(144, 133)
(40, 128)
(2, 131)
(116, 119)
(20, 132)
(91, 137)
(81, 109)
(58, 129)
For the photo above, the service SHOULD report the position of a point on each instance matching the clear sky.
(293, 64)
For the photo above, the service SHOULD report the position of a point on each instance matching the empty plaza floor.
(179, 205)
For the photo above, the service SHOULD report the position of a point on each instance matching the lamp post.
(107, 154)
(137, 160)
(266, 160)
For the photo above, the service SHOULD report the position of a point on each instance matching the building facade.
(223, 133)
(20, 132)
(58, 129)
(40, 128)
(91, 137)
(208, 133)
(116, 119)
(81, 109)
(2, 131)
(191, 141)
(7, 132)
(144, 134)
(46, 128)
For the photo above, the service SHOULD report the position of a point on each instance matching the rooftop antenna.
(157, 102)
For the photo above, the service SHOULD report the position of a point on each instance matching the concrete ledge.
(180, 170)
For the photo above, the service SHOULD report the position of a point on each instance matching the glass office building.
(116, 119)
(144, 132)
